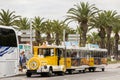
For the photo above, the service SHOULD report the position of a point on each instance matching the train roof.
(85, 48)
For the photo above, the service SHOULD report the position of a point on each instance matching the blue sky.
(52, 9)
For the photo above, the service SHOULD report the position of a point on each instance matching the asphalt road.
(109, 74)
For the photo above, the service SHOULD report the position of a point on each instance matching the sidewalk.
(112, 66)
(22, 73)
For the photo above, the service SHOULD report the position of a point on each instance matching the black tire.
(93, 69)
(89, 69)
(103, 69)
(79, 71)
(84, 71)
(43, 74)
(61, 73)
(70, 72)
(49, 74)
(28, 74)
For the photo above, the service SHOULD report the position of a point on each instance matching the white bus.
(9, 57)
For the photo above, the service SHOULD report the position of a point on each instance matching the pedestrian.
(24, 61)
(20, 60)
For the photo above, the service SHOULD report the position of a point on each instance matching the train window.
(74, 54)
(46, 52)
(60, 52)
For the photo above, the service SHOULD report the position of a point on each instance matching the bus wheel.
(103, 69)
(28, 74)
(49, 74)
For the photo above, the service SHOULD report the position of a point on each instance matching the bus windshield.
(7, 37)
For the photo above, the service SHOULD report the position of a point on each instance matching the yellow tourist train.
(49, 59)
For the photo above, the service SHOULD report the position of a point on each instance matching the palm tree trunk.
(108, 30)
(84, 29)
(80, 41)
(102, 37)
(38, 37)
(57, 39)
(66, 37)
(116, 45)
(49, 38)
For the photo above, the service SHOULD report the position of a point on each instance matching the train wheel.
(43, 74)
(70, 72)
(49, 74)
(89, 69)
(103, 69)
(61, 73)
(84, 71)
(93, 70)
(28, 74)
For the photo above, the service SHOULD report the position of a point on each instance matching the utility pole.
(31, 36)
(64, 37)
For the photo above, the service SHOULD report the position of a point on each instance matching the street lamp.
(31, 50)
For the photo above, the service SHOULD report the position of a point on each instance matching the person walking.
(24, 61)
(20, 60)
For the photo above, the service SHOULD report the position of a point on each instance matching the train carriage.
(88, 58)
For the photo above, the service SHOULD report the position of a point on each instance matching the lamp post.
(31, 50)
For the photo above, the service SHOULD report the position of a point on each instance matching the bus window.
(8, 38)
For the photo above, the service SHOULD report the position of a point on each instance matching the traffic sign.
(73, 37)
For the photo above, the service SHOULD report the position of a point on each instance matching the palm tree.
(48, 30)
(82, 13)
(80, 33)
(96, 38)
(7, 18)
(38, 25)
(58, 27)
(109, 18)
(68, 31)
(23, 23)
(116, 30)
(99, 22)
